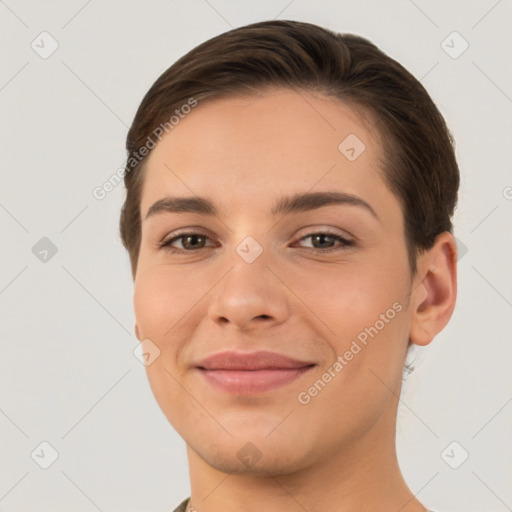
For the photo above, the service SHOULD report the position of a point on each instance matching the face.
(323, 281)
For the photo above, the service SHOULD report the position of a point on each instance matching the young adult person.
(288, 220)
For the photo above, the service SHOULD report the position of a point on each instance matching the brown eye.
(192, 241)
(189, 242)
(323, 242)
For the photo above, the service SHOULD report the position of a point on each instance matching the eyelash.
(166, 245)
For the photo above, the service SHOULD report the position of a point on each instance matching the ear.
(137, 333)
(434, 290)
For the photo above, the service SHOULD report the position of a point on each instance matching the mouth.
(259, 372)
(252, 381)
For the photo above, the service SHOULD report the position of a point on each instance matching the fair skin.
(336, 452)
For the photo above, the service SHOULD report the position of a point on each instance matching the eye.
(189, 242)
(324, 241)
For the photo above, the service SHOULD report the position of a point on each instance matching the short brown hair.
(419, 163)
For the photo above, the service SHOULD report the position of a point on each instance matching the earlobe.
(434, 297)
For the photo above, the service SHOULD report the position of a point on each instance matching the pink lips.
(247, 373)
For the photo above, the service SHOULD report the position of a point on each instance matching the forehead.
(255, 146)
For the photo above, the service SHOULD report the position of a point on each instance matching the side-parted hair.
(418, 158)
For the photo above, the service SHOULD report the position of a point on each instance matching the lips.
(248, 373)
(251, 361)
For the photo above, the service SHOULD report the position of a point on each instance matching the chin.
(250, 459)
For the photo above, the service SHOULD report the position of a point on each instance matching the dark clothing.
(183, 506)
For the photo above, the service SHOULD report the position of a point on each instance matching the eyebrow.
(299, 202)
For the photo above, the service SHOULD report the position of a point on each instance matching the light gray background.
(68, 375)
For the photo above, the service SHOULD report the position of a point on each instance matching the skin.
(336, 452)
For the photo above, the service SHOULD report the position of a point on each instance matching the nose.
(250, 296)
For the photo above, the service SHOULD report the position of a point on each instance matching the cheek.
(168, 305)
(368, 317)
(346, 298)
(161, 301)
(162, 297)
(362, 313)
(150, 301)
